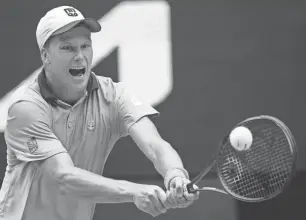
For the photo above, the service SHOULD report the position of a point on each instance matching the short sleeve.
(130, 109)
(28, 132)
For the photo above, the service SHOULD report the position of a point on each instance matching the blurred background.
(205, 65)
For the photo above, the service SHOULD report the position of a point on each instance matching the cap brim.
(92, 25)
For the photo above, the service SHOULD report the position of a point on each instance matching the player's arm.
(164, 157)
(79, 183)
(134, 120)
(73, 181)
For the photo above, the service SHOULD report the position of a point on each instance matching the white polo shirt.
(87, 131)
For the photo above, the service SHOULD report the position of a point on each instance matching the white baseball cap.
(60, 20)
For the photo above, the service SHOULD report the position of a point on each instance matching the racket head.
(266, 168)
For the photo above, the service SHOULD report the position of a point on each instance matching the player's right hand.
(150, 199)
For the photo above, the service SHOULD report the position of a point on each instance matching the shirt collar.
(49, 96)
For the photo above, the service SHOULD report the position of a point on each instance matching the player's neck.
(66, 93)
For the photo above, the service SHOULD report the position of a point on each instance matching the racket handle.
(190, 188)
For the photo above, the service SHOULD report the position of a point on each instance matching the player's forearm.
(86, 185)
(166, 158)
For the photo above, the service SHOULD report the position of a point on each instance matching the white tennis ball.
(241, 138)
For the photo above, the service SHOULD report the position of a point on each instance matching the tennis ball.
(241, 138)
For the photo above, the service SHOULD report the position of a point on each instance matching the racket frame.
(204, 172)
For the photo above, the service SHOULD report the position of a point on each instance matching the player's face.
(70, 57)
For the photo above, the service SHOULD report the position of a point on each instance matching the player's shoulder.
(30, 102)
(23, 114)
(107, 82)
(26, 109)
(109, 87)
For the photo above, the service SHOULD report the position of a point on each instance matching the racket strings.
(261, 171)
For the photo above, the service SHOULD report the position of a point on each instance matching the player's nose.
(79, 56)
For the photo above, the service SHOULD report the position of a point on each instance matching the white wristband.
(174, 172)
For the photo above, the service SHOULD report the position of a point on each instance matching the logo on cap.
(71, 12)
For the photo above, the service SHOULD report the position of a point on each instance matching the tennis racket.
(262, 171)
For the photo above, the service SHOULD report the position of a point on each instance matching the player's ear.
(45, 57)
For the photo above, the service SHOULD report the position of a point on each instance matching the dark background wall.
(230, 59)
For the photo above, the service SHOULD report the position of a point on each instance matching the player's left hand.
(177, 195)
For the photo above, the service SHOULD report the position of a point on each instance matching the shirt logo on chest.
(91, 125)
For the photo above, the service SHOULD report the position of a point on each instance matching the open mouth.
(79, 72)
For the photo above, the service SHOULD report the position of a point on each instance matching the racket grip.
(190, 188)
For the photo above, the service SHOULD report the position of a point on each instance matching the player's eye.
(67, 48)
(85, 46)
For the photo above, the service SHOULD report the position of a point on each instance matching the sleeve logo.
(32, 145)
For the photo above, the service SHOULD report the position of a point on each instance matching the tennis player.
(61, 131)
